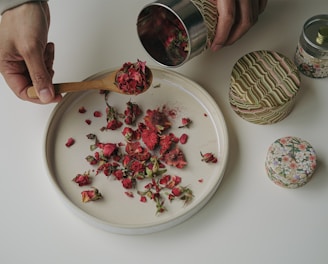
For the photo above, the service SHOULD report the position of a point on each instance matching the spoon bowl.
(108, 82)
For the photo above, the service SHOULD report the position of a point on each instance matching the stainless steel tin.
(175, 31)
(311, 55)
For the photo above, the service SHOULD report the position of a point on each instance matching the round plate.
(117, 212)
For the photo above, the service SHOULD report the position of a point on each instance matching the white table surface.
(248, 220)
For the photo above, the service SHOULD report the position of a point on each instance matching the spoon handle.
(70, 87)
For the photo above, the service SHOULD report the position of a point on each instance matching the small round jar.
(263, 87)
(311, 55)
(175, 31)
(290, 162)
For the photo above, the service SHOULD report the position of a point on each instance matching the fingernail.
(45, 95)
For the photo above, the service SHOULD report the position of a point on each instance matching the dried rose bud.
(164, 179)
(82, 110)
(132, 112)
(128, 183)
(150, 138)
(135, 150)
(177, 191)
(129, 194)
(119, 174)
(159, 200)
(82, 179)
(137, 167)
(155, 165)
(128, 133)
(92, 160)
(174, 181)
(183, 193)
(92, 136)
(175, 157)
(187, 195)
(185, 121)
(91, 195)
(167, 142)
(96, 141)
(108, 149)
(114, 124)
(126, 160)
(209, 158)
(171, 197)
(143, 199)
(157, 120)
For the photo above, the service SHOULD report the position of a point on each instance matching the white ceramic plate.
(117, 212)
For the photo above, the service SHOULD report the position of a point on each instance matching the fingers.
(262, 5)
(49, 58)
(39, 74)
(226, 19)
(235, 18)
(17, 76)
(247, 11)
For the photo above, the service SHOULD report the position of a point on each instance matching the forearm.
(8, 4)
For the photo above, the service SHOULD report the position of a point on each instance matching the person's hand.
(236, 17)
(26, 57)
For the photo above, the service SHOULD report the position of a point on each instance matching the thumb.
(40, 76)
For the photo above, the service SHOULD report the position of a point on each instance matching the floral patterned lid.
(290, 162)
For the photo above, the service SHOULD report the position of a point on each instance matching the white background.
(248, 220)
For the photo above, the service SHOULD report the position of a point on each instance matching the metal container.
(311, 55)
(175, 31)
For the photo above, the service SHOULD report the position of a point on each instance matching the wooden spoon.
(105, 83)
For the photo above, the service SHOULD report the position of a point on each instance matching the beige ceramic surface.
(117, 212)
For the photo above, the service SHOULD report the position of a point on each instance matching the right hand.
(236, 17)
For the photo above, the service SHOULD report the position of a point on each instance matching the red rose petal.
(97, 114)
(82, 110)
(183, 138)
(70, 142)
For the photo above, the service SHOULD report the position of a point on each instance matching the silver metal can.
(311, 55)
(175, 31)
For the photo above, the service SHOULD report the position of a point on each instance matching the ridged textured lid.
(263, 86)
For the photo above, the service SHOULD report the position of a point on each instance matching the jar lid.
(315, 32)
(290, 162)
(263, 86)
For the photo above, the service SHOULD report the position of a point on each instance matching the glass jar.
(311, 55)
